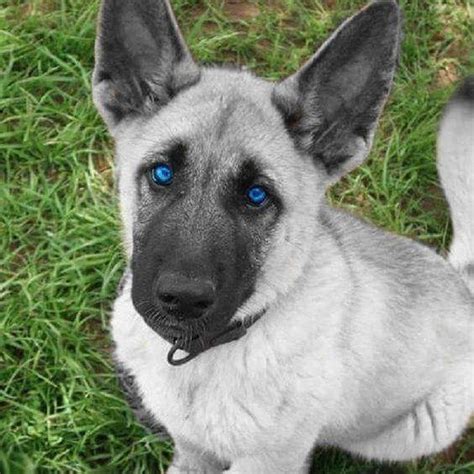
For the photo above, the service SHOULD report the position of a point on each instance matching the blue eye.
(162, 174)
(256, 195)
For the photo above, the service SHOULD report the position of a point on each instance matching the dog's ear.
(332, 104)
(141, 59)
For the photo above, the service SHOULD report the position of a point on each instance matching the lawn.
(60, 254)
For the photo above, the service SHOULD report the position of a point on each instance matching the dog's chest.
(223, 401)
(223, 413)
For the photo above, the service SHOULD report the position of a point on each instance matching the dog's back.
(426, 355)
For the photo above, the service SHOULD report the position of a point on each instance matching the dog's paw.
(179, 469)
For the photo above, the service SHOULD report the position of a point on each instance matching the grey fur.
(469, 270)
(367, 337)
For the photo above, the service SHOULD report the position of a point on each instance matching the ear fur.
(332, 104)
(141, 59)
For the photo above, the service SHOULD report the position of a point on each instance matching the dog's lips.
(175, 333)
(171, 334)
(184, 336)
(197, 338)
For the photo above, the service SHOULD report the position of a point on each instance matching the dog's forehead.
(228, 116)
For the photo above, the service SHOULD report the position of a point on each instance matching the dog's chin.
(193, 336)
(172, 334)
(171, 330)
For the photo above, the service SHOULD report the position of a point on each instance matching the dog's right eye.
(256, 195)
(162, 174)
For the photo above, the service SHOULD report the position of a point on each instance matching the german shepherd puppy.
(254, 319)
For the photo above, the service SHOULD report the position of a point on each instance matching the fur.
(456, 170)
(367, 339)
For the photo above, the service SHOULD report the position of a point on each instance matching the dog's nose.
(184, 297)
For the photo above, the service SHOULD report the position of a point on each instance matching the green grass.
(60, 254)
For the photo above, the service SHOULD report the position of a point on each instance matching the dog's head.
(221, 174)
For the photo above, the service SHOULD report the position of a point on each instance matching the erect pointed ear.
(141, 59)
(332, 104)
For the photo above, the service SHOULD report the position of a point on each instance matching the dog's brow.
(249, 172)
(226, 113)
(173, 152)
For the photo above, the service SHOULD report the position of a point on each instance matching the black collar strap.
(198, 345)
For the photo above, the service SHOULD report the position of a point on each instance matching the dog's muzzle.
(200, 342)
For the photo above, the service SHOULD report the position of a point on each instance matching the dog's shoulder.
(405, 266)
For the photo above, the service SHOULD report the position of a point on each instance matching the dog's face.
(230, 212)
(221, 174)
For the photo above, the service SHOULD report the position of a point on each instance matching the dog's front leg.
(274, 463)
(289, 458)
(188, 460)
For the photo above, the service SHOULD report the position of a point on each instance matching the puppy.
(254, 319)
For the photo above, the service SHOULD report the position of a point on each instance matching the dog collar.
(198, 345)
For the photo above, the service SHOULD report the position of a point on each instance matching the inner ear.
(331, 106)
(141, 58)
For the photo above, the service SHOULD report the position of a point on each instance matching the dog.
(253, 318)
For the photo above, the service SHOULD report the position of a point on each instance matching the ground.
(60, 254)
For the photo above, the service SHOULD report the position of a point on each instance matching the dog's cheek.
(287, 253)
(259, 236)
(127, 205)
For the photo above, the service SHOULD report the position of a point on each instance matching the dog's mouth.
(196, 338)
(201, 342)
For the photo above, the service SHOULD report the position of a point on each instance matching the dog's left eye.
(162, 174)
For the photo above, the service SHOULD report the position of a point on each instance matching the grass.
(60, 254)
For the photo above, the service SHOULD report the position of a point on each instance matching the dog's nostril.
(184, 297)
(168, 299)
(204, 304)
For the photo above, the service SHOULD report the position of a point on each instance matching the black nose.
(184, 297)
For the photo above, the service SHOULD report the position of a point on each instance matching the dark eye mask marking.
(199, 229)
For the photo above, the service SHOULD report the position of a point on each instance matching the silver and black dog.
(254, 319)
